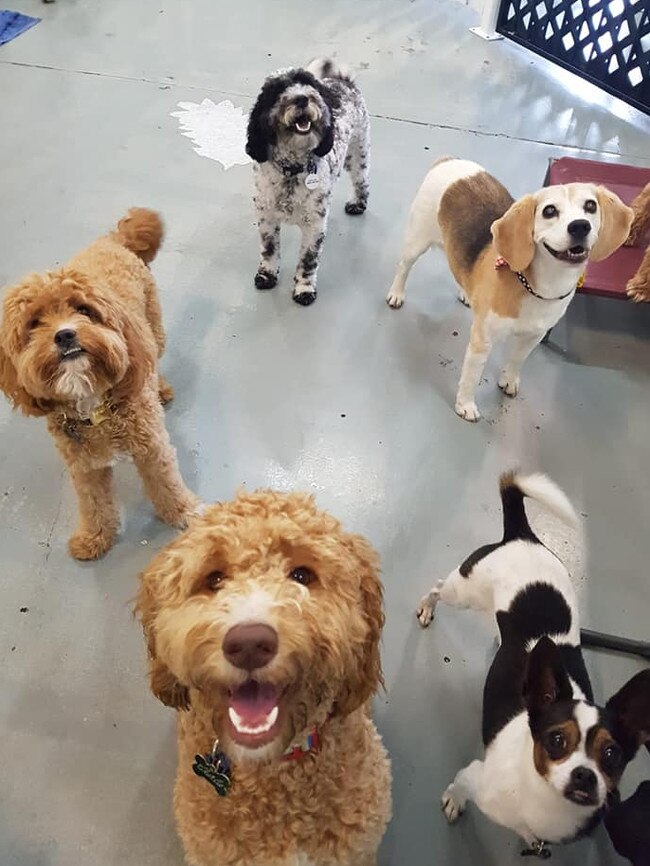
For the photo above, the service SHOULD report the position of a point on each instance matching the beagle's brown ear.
(164, 685)
(513, 233)
(615, 222)
(630, 709)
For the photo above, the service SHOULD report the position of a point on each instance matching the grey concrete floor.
(346, 399)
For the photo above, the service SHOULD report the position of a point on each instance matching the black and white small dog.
(552, 757)
(306, 126)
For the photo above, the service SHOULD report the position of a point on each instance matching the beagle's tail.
(141, 231)
(515, 487)
(325, 67)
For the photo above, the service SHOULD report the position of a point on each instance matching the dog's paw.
(90, 545)
(638, 291)
(509, 386)
(468, 411)
(425, 612)
(304, 297)
(452, 807)
(355, 208)
(265, 280)
(165, 391)
(395, 300)
(179, 513)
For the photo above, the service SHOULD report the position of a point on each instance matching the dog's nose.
(65, 338)
(584, 779)
(579, 228)
(250, 646)
(301, 102)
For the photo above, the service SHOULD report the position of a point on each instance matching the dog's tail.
(141, 231)
(325, 67)
(515, 487)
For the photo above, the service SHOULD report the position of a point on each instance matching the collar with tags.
(215, 766)
(72, 426)
(309, 169)
(502, 263)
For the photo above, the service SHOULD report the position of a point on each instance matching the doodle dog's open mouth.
(254, 713)
(303, 126)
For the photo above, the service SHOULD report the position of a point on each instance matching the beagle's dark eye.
(302, 575)
(611, 758)
(83, 310)
(214, 580)
(590, 206)
(556, 743)
(550, 211)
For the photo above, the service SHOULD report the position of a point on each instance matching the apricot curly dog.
(263, 623)
(80, 346)
(638, 288)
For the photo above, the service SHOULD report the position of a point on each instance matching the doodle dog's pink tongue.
(253, 707)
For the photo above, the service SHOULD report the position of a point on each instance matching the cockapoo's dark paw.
(265, 280)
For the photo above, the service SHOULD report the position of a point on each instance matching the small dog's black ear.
(630, 711)
(546, 681)
(326, 142)
(260, 135)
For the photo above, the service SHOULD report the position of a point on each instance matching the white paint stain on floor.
(218, 131)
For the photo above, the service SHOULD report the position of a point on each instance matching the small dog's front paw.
(90, 545)
(165, 391)
(265, 279)
(304, 297)
(468, 411)
(638, 291)
(395, 300)
(179, 514)
(425, 612)
(452, 808)
(355, 208)
(509, 386)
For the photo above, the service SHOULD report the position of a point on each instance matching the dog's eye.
(611, 759)
(302, 575)
(33, 323)
(550, 211)
(557, 743)
(83, 310)
(214, 580)
(590, 206)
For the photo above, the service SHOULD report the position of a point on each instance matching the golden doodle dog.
(638, 288)
(80, 346)
(263, 623)
(517, 263)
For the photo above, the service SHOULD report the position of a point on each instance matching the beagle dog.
(517, 263)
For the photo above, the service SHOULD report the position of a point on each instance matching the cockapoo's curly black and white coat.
(306, 126)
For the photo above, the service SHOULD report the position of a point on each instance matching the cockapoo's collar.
(71, 425)
(291, 169)
(502, 263)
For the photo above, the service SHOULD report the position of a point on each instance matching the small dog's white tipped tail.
(539, 487)
(325, 67)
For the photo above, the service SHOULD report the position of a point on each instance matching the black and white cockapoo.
(306, 126)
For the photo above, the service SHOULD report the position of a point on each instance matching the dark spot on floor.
(446, 660)
(454, 333)
(343, 415)
(24, 610)
(13, 649)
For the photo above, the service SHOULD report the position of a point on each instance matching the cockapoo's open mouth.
(575, 255)
(69, 354)
(303, 126)
(254, 713)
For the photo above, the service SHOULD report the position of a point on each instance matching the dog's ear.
(164, 685)
(365, 676)
(513, 233)
(19, 397)
(260, 135)
(333, 103)
(615, 222)
(546, 681)
(143, 354)
(327, 140)
(630, 710)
